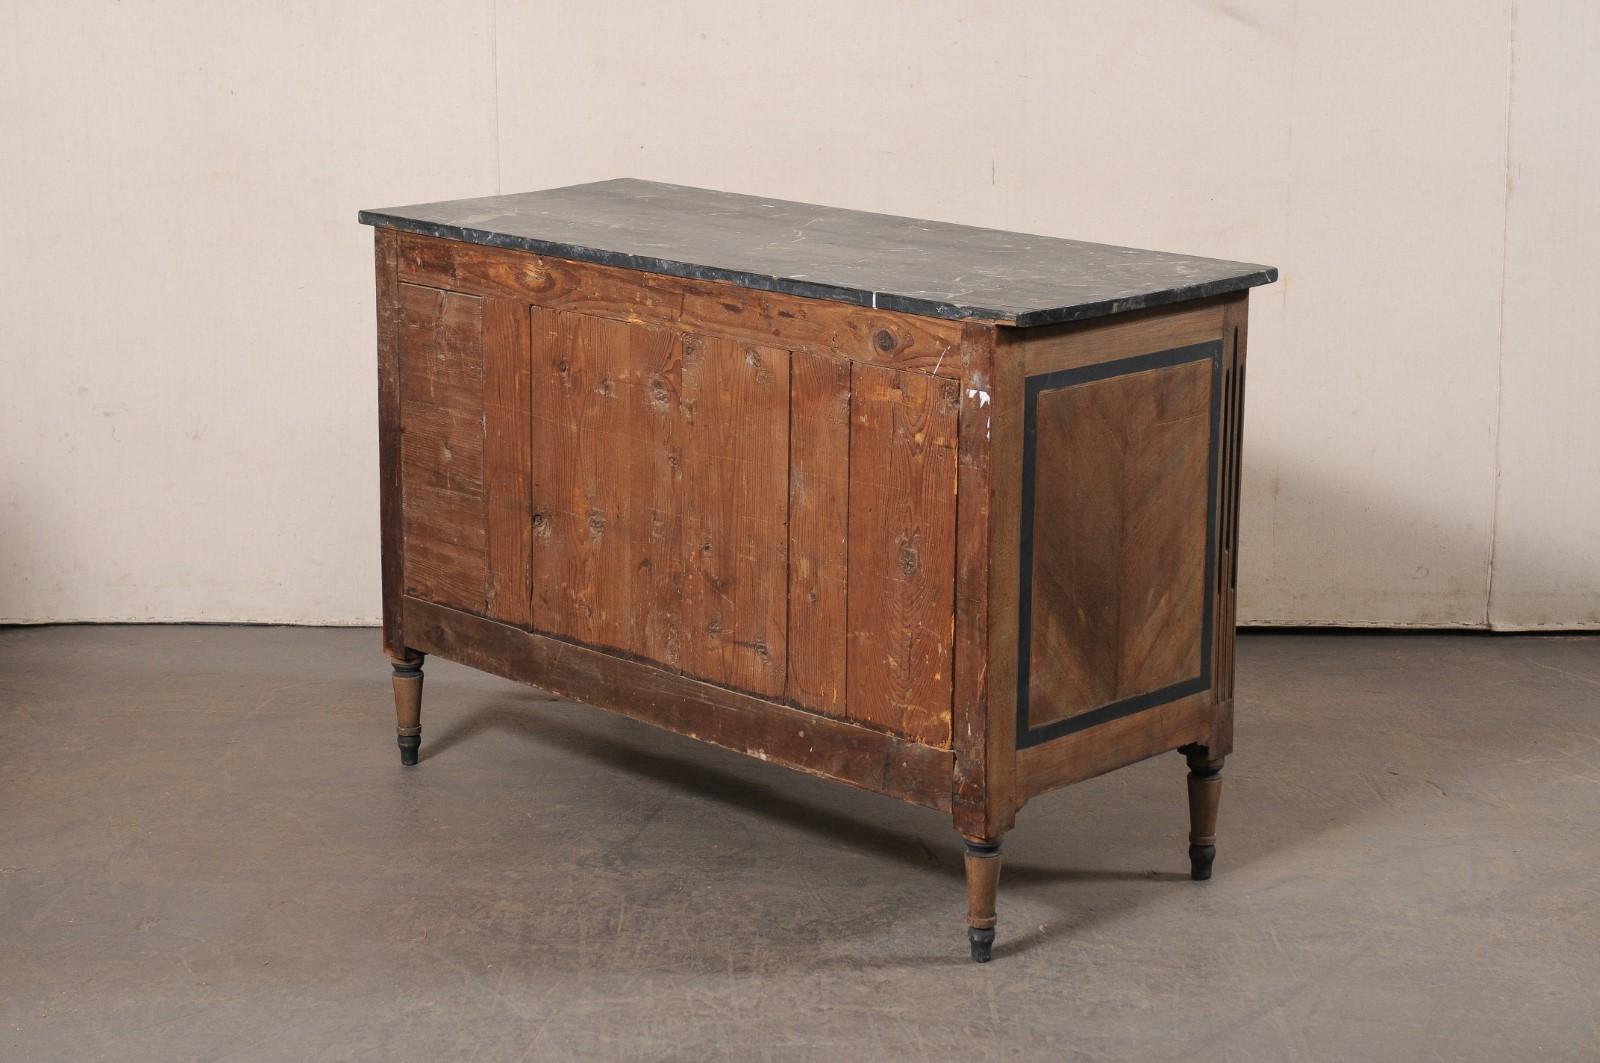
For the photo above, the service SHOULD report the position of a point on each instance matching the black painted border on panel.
(1066, 378)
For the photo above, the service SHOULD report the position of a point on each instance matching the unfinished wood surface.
(904, 341)
(507, 459)
(777, 733)
(1119, 538)
(440, 343)
(901, 341)
(902, 557)
(819, 497)
(591, 530)
(655, 473)
(735, 499)
(976, 812)
(660, 491)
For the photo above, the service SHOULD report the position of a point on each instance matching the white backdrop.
(188, 418)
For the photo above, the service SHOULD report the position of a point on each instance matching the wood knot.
(752, 358)
(908, 558)
(884, 340)
(597, 523)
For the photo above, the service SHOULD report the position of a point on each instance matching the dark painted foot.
(982, 942)
(1200, 858)
(408, 705)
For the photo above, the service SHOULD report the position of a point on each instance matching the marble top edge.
(909, 265)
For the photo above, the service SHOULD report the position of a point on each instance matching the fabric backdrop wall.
(188, 417)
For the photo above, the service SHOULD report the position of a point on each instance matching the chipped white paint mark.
(980, 394)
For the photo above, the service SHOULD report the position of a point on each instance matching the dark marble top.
(918, 267)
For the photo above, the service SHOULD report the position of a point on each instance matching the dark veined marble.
(918, 267)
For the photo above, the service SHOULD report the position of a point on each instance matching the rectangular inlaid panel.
(1119, 493)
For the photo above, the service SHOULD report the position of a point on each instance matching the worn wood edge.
(976, 811)
(794, 738)
(677, 302)
(1081, 343)
(1005, 492)
(390, 510)
(1115, 744)
(1235, 328)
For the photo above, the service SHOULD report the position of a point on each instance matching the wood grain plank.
(582, 478)
(655, 454)
(553, 283)
(819, 497)
(902, 556)
(440, 341)
(775, 733)
(443, 446)
(735, 457)
(979, 812)
(507, 459)
(440, 336)
(446, 558)
(880, 337)
(903, 341)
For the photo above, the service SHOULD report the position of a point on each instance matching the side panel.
(1126, 459)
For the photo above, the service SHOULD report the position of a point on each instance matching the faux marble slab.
(931, 268)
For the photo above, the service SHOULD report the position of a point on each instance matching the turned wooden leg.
(408, 705)
(1205, 791)
(983, 881)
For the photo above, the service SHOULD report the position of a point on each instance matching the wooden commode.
(945, 513)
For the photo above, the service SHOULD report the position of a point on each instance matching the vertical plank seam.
(788, 543)
(528, 569)
(849, 539)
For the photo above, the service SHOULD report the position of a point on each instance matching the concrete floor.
(209, 850)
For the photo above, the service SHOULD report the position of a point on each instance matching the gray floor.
(208, 850)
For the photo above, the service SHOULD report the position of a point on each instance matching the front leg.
(1205, 792)
(408, 704)
(983, 882)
